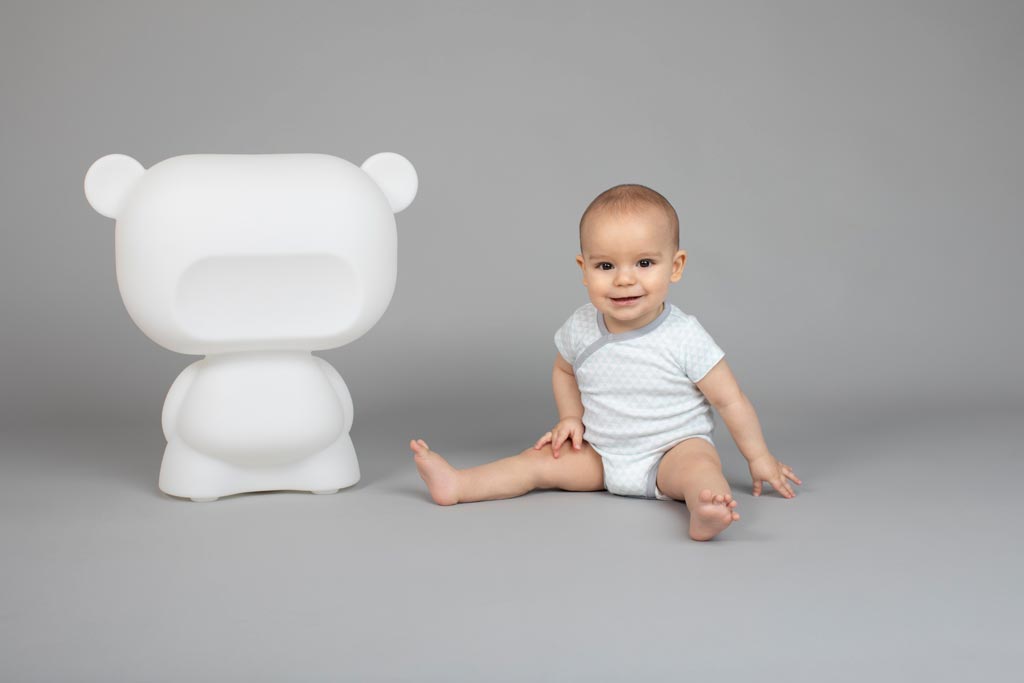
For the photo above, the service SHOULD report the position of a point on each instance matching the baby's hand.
(767, 468)
(569, 428)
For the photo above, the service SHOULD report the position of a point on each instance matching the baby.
(634, 381)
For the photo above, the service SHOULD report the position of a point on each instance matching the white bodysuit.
(639, 391)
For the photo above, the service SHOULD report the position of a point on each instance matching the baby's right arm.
(570, 409)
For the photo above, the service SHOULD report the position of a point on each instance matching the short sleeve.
(699, 351)
(564, 341)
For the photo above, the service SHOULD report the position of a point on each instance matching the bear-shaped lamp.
(255, 261)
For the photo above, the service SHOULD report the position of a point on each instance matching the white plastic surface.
(255, 261)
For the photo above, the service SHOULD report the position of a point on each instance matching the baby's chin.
(630, 311)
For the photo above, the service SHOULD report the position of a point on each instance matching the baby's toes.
(419, 447)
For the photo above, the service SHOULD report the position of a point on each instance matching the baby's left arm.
(723, 391)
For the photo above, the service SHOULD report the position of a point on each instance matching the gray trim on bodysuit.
(652, 479)
(609, 337)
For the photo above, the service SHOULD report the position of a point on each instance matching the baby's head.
(635, 199)
(629, 244)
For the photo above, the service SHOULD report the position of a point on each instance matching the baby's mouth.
(623, 300)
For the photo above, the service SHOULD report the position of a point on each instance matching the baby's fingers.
(559, 439)
(577, 440)
(788, 471)
(783, 488)
(541, 441)
(757, 487)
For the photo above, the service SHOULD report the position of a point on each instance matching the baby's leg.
(692, 472)
(510, 477)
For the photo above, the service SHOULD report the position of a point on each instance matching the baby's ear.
(109, 181)
(395, 176)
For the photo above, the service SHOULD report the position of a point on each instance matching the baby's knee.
(537, 457)
(550, 472)
(693, 453)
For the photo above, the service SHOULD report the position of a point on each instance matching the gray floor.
(899, 559)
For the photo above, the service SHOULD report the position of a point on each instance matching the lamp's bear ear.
(109, 181)
(395, 176)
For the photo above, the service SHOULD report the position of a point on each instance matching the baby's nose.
(625, 276)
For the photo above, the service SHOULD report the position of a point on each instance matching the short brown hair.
(631, 197)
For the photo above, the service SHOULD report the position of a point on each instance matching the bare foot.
(440, 477)
(711, 514)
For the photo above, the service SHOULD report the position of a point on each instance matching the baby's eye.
(604, 265)
(645, 263)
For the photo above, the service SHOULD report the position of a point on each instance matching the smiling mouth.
(625, 299)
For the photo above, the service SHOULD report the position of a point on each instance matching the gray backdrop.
(848, 178)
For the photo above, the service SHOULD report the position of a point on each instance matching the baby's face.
(629, 259)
